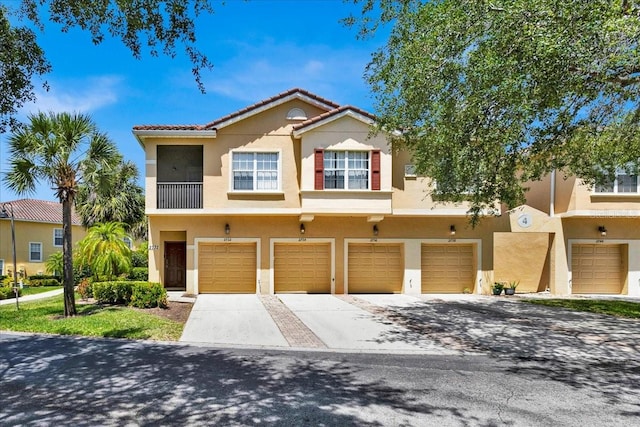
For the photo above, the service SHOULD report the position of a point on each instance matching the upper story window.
(127, 241)
(255, 171)
(623, 183)
(35, 252)
(57, 237)
(347, 170)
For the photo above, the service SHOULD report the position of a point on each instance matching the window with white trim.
(346, 170)
(255, 171)
(35, 252)
(57, 237)
(127, 241)
(2, 267)
(623, 183)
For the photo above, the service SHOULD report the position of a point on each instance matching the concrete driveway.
(460, 324)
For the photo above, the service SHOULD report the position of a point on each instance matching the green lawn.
(618, 308)
(38, 290)
(46, 316)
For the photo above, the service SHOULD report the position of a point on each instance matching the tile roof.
(247, 110)
(40, 211)
(332, 113)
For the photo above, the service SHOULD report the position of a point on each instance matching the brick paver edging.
(294, 331)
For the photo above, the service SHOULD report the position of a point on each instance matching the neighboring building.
(38, 231)
(294, 194)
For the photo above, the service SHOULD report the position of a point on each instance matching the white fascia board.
(609, 213)
(366, 120)
(142, 134)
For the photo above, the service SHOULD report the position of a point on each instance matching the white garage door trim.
(197, 241)
(301, 240)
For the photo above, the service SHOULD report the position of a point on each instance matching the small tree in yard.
(55, 264)
(61, 149)
(103, 249)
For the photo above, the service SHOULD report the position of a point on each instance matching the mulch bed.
(176, 311)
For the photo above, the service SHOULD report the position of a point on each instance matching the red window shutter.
(375, 170)
(319, 169)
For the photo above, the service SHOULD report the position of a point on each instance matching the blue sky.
(259, 48)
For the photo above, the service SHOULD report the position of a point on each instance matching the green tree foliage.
(113, 197)
(55, 264)
(21, 59)
(63, 150)
(157, 25)
(103, 249)
(491, 94)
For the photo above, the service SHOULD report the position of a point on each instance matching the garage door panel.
(227, 267)
(375, 268)
(302, 267)
(597, 269)
(447, 268)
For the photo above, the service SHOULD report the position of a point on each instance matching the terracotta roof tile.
(40, 211)
(332, 113)
(212, 125)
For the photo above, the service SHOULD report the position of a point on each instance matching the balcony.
(180, 195)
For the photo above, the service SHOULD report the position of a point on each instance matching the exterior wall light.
(603, 230)
(227, 229)
(452, 230)
(375, 230)
(302, 229)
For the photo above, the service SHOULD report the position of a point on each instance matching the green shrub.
(113, 292)
(137, 294)
(6, 292)
(148, 295)
(140, 257)
(139, 274)
(44, 282)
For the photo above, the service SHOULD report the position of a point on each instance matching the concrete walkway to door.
(321, 322)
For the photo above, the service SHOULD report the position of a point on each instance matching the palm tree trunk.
(67, 251)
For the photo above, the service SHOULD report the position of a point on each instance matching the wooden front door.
(175, 265)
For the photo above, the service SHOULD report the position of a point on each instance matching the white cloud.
(260, 71)
(84, 95)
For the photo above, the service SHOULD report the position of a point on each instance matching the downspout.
(552, 194)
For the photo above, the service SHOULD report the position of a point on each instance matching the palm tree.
(114, 197)
(62, 149)
(103, 249)
(54, 264)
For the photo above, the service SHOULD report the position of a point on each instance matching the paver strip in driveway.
(293, 329)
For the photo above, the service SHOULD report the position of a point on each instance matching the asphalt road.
(47, 380)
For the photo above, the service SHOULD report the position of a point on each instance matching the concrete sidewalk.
(32, 297)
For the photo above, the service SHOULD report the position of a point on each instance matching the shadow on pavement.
(582, 350)
(79, 381)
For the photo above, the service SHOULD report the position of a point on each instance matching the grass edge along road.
(613, 307)
(94, 320)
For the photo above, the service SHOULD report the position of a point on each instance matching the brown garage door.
(302, 267)
(447, 268)
(375, 268)
(227, 268)
(597, 269)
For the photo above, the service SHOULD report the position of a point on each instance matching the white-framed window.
(623, 183)
(35, 252)
(346, 170)
(57, 237)
(255, 171)
(2, 267)
(127, 241)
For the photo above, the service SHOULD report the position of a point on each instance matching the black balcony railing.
(180, 195)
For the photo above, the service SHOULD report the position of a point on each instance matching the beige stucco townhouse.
(294, 194)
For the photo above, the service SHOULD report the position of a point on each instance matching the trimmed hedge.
(44, 282)
(137, 294)
(7, 292)
(139, 274)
